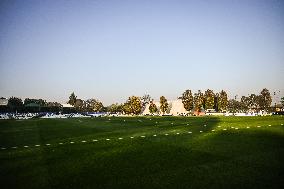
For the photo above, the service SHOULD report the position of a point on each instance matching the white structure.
(3, 102)
(67, 106)
(175, 108)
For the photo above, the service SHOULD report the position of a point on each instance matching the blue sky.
(110, 50)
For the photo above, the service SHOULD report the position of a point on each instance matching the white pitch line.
(3, 148)
(232, 127)
(107, 139)
(224, 129)
(37, 145)
(248, 127)
(47, 144)
(95, 140)
(26, 146)
(269, 125)
(177, 133)
(142, 136)
(120, 138)
(258, 126)
(189, 132)
(71, 142)
(154, 135)
(60, 143)
(236, 128)
(131, 137)
(83, 141)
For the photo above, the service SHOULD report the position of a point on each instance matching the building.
(3, 101)
(68, 108)
(4, 105)
(175, 108)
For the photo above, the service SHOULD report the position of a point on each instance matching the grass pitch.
(143, 152)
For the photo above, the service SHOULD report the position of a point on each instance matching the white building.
(3, 101)
(175, 108)
(67, 106)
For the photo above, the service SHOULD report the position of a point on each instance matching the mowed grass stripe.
(142, 136)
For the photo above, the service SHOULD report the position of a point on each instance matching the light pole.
(276, 97)
(235, 105)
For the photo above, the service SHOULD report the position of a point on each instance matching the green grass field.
(143, 152)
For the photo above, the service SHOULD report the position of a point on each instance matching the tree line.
(135, 105)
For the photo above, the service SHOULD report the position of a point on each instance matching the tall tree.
(198, 100)
(209, 99)
(153, 108)
(133, 105)
(244, 104)
(72, 99)
(127, 108)
(53, 107)
(15, 104)
(145, 99)
(234, 105)
(80, 105)
(115, 108)
(282, 101)
(253, 101)
(187, 100)
(222, 100)
(94, 105)
(265, 99)
(163, 104)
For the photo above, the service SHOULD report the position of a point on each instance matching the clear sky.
(110, 50)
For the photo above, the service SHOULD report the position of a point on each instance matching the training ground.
(143, 152)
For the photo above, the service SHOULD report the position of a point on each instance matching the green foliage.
(15, 104)
(244, 104)
(146, 99)
(222, 100)
(80, 105)
(133, 105)
(234, 105)
(52, 107)
(198, 100)
(282, 101)
(163, 104)
(72, 99)
(187, 100)
(93, 105)
(253, 101)
(265, 99)
(115, 108)
(153, 108)
(209, 99)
